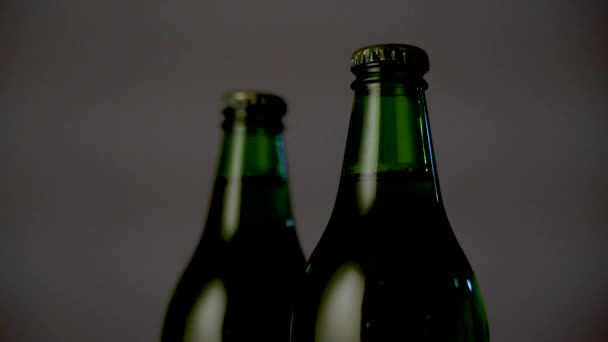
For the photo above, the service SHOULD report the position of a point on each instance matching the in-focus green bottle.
(388, 266)
(240, 282)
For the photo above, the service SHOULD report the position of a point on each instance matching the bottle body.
(393, 273)
(388, 266)
(241, 280)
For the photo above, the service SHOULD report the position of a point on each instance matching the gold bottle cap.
(395, 54)
(252, 100)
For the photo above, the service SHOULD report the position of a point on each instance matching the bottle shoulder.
(247, 276)
(414, 240)
(250, 248)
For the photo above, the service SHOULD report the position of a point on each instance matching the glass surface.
(240, 283)
(388, 266)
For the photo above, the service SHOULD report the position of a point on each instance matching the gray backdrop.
(110, 115)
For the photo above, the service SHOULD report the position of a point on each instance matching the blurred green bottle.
(239, 285)
(388, 266)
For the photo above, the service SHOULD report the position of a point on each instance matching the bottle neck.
(389, 138)
(252, 151)
(251, 191)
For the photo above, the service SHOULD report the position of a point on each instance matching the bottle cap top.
(395, 54)
(249, 100)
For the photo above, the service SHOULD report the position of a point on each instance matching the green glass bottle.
(388, 266)
(240, 282)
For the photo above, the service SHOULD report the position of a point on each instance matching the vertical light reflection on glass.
(366, 188)
(291, 327)
(465, 327)
(478, 301)
(232, 198)
(339, 318)
(423, 145)
(280, 144)
(424, 114)
(208, 313)
(470, 286)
